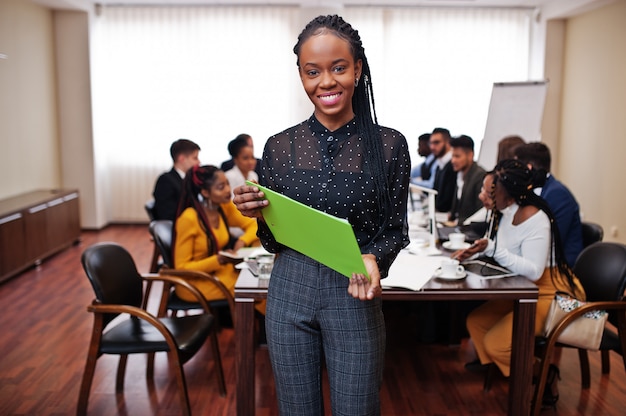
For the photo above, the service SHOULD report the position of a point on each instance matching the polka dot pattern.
(327, 170)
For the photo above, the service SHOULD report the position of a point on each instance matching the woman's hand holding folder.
(249, 200)
(360, 286)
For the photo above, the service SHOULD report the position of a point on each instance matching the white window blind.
(210, 73)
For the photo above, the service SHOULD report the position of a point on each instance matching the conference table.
(517, 288)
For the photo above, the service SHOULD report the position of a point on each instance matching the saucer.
(458, 276)
(416, 247)
(448, 246)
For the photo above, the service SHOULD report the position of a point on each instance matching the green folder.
(321, 236)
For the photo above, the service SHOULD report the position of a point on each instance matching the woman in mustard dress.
(206, 212)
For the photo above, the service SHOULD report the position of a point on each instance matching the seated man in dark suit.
(469, 179)
(423, 174)
(169, 185)
(560, 200)
(445, 177)
(230, 163)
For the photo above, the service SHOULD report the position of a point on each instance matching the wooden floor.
(45, 331)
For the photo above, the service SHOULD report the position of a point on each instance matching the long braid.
(362, 103)
(518, 182)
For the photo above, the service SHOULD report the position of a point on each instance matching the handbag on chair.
(583, 332)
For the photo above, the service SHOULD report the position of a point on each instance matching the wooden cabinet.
(34, 226)
(12, 247)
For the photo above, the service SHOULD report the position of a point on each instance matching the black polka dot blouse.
(327, 170)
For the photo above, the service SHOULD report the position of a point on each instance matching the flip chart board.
(516, 108)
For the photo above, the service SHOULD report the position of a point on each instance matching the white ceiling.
(335, 3)
(549, 8)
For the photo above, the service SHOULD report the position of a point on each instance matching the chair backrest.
(149, 206)
(113, 275)
(601, 269)
(161, 231)
(592, 233)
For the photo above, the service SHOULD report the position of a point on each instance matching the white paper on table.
(245, 252)
(411, 271)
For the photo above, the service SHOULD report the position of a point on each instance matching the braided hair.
(362, 103)
(197, 179)
(517, 180)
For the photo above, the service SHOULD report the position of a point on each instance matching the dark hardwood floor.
(45, 331)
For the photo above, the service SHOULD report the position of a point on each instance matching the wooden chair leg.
(90, 365)
(165, 294)
(546, 357)
(217, 359)
(606, 361)
(150, 365)
(540, 387)
(121, 371)
(85, 385)
(154, 263)
(585, 376)
(146, 296)
(177, 367)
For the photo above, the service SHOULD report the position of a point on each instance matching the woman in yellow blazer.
(206, 212)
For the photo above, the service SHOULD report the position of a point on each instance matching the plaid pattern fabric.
(310, 314)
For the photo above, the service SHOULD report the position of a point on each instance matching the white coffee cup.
(265, 264)
(456, 240)
(451, 268)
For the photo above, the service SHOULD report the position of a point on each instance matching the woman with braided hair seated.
(528, 243)
(206, 212)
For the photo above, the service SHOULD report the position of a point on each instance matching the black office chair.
(601, 269)
(119, 290)
(155, 263)
(149, 207)
(592, 233)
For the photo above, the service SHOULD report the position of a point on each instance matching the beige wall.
(75, 117)
(29, 139)
(551, 125)
(592, 142)
(45, 105)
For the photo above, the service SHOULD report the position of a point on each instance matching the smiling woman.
(329, 79)
(342, 162)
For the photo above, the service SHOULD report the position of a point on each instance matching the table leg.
(522, 357)
(244, 336)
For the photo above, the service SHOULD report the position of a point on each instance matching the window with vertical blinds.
(210, 73)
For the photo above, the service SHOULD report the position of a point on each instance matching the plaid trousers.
(310, 316)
